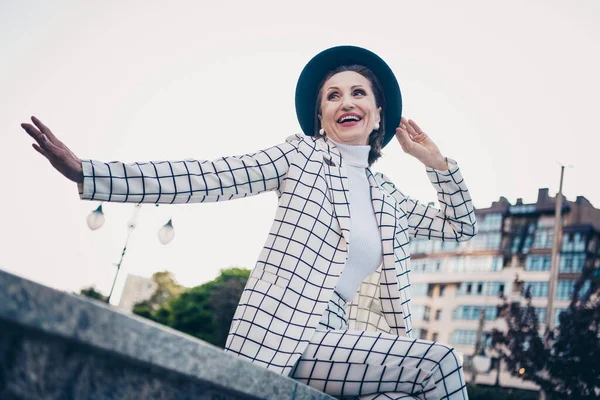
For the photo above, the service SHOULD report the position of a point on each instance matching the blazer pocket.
(270, 277)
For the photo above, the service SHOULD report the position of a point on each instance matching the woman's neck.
(355, 155)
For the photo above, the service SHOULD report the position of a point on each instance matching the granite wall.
(55, 345)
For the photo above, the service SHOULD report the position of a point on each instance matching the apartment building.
(452, 282)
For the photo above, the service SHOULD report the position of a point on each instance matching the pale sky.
(507, 88)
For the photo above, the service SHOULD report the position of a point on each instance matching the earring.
(376, 127)
(322, 132)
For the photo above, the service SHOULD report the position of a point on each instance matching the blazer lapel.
(337, 181)
(386, 214)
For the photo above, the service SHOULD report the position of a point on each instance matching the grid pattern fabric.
(305, 252)
(367, 365)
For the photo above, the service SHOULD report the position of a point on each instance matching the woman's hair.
(376, 137)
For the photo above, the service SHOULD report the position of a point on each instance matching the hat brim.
(326, 61)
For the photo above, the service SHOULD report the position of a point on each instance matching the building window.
(491, 222)
(434, 337)
(579, 242)
(573, 262)
(537, 289)
(480, 288)
(565, 288)
(543, 239)
(427, 265)
(442, 290)
(522, 238)
(472, 313)
(448, 246)
(463, 337)
(574, 241)
(438, 315)
(473, 264)
(538, 263)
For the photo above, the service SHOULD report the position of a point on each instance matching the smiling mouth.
(349, 120)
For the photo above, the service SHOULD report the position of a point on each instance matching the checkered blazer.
(308, 243)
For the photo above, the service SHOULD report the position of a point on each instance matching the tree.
(204, 311)
(92, 293)
(563, 362)
(166, 289)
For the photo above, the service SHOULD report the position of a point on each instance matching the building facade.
(452, 282)
(135, 290)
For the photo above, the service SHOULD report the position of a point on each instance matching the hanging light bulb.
(96, 218)
(166, 233)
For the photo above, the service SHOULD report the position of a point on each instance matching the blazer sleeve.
(454, 220)
(188, 181)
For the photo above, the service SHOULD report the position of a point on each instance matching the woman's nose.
(348, 103)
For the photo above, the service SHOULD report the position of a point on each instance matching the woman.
(328, 301)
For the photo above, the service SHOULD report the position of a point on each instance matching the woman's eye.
(359, 92)
(332, 96)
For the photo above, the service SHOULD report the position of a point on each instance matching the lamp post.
(96, 219)
(554, 264)
(481, 363)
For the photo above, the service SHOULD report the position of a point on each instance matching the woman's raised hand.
(54, 150)
(419, 145)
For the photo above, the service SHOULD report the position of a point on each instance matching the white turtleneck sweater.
(365, 252)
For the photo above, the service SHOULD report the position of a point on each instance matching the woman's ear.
(379, 114)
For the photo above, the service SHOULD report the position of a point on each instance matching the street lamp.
(166, 233)
(96, 219)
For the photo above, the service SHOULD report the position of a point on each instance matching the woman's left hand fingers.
(415, 126)
(415, 132)
(416, 142)
(404, 139)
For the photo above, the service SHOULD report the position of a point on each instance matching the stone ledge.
(94, 349)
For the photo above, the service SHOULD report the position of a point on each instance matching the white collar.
(355, 155)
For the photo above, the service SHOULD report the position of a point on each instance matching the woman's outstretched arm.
(169, 182)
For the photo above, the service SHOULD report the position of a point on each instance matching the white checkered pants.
(376, 366)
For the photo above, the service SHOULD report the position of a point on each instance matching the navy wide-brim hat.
(313, 73)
